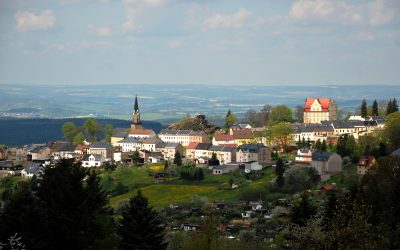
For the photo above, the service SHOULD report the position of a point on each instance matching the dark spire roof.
(136, 107)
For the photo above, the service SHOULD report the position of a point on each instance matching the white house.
(34, 168)
(223, 140)
(130, 144)
(150, 144)
(93, 160)
(142, 133)
(304, 155)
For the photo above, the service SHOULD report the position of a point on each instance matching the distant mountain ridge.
(15, 132)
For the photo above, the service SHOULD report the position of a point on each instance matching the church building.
(136, 123)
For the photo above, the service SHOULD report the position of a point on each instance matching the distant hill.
(198, 122)
(16, 132)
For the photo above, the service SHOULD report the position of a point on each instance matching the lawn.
(212, 187)
(345, 178)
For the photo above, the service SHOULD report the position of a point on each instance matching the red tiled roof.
(242, 133)
(141, 132)
(327, 187)
(192, 145)
(224, 137)
(323, 101)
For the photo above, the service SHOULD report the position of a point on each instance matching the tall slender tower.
(136, 123)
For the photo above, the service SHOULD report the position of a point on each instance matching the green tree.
(364, 109)
(166, 165)
(280, 170)
(108, 132)
(302, 211)
(69, 130)
(389, 108)
(78, 139)
(395, 106)
(136, 159)
(68, 211)
(230, 119)
(324, 147)
(375, 110)
(280, 113)
(318, 144)
(178, 158)
(281, 133)
(213, 161)
(140, 226)
(392, 130)
(91, 127)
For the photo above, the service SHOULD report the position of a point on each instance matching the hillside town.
(251, 176)
(234, 147)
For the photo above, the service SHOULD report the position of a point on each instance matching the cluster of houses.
(243, 147)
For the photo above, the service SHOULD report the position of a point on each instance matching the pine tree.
(136, 157)
(140, 226)
(280, 170)
(324, 147)
(364, 109)
(213, 161)
(178, 158)
(375, 111)
(303, 211)
(395, 106)
(166, 165)
(389, 108)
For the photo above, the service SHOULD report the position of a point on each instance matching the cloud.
(132, 9)
(220, 21)
(30, 21)
(174, 43)
(376, 12)
(100, 31)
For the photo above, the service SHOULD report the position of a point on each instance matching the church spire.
(136, 123)
(136, 107)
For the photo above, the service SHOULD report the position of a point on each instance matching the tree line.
(91, 130)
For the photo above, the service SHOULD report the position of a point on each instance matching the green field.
(212, 187)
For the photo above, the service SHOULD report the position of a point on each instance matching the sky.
(254, 42)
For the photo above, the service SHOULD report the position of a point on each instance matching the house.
(252, 166)
(201, 150)
(253, 152)
(130, 144)
(224, 169)
(101, 148)
(191, 150)
(33, 168)
(304, 155)
(319, 109)
(7, 167)
(326, 163)
(364, 164)
(241, 126)
(187, 227)
(117, 156)
(168, 150)
(150, 144)
(312, 132)
(142, 133)
(82, 149)
(93, 160)
(184, 137)
(242, 136)
(380, 121)
(38, 152)
(223, 139)
(62, 150)
(225, 154)
(118, 134)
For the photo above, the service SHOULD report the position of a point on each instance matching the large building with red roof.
(317, 110)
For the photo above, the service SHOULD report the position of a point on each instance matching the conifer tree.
(280, 170)
(395, 106)
(364, 109)
(303, 211)
(178, 158)
(166, 165)
(140, 226)
(318, 144)
(324, 147)
(389, 108)
(375, 111)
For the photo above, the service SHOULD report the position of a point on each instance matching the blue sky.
(256, 42)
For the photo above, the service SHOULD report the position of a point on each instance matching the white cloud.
(174, 43)
(220, 21)
(100, 31)
(31, 21)
(132, 9)
(374, 12)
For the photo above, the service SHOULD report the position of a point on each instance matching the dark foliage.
(303, 211)
(178, 159)
(140, 226)
(280, 170)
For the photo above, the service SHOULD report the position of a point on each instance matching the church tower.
(136, 123)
